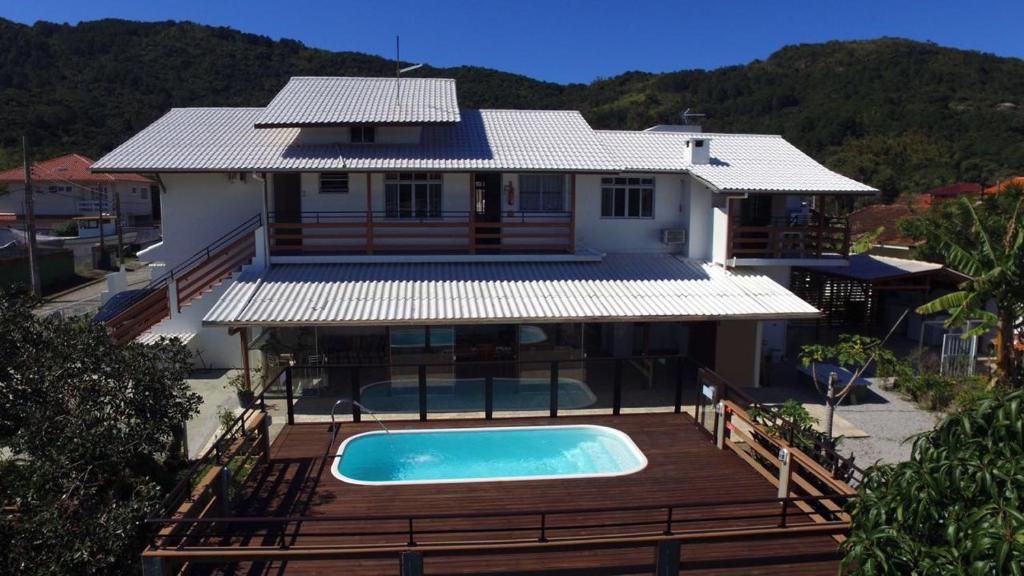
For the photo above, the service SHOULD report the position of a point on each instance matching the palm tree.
(996, 269)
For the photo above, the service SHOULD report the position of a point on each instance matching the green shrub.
(69, 228)
(955, 506)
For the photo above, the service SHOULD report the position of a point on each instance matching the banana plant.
(995, 266)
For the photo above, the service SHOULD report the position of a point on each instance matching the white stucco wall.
(720, 228)
(199, 208)
(672, 209)
(702, 228)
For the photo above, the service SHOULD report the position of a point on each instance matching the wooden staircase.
(197, 275)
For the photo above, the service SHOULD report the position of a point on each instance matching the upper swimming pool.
(486, 455)
(467, 395)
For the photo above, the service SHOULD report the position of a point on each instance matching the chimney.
(698, 150)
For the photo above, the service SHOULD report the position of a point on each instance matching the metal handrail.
(204, 253)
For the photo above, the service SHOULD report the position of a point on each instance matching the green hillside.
(897, 114)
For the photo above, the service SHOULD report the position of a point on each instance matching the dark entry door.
(487, 207)
(288, 207)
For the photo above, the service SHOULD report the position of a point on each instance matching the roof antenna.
(398, 72)
(687, 115)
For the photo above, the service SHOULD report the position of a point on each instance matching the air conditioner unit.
(673, 236)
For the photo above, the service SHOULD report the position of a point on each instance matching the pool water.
(487, 454)
(467, 394)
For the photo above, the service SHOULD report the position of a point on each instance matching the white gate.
(958, 355)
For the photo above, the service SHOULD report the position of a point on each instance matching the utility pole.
(120, 227)
(30, 224)
(103, 244)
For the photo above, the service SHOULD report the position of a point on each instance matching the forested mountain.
(898, 114)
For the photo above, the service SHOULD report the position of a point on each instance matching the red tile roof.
(70, 167)
(1015, 181)
(869, 218)
(952, 191)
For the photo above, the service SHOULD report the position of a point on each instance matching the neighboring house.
(951, 192)
(869, 219)
(1003, 184)
(65, 188)
(385, 232)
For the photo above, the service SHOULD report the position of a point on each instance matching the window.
(334, 183)
(541, 192)
(627, 197)
(412, 195)
(144, 193)
(363, 134)
(60, 189)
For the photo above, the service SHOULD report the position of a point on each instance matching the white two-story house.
(380, 226)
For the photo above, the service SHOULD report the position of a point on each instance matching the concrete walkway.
(212, 386)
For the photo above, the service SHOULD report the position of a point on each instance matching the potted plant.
(243, 386)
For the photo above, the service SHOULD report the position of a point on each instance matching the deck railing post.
(720, 425)
(289, 395)
(666, 560)
(785, 509)
(357, 412)
(224, 491)
(617, 392)
(411, 564)
(423, 391)
(265, 437)
(679, 385)
(785, 472)
(489, 397)
(553, 412)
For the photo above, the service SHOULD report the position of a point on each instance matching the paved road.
(86, 298)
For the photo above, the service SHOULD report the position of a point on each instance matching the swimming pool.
(445, 337)
(467, 394)
(486, 455)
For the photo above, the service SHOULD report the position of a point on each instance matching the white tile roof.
(621, 287)
(739, 162)
(326, 100)
(224, 139)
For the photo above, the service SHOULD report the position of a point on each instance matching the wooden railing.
(814, 238)
(384, 232)
(718, 401)
(409, 537)
(146, 307)
(140, 315)
(213, 480)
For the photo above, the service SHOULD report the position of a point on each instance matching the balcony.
(814, 237)
(447, 232)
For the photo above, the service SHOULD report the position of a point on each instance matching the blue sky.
(572, 40)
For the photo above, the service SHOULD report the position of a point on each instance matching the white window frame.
(629, 185)
(333, 176)
(419, 185)
(543, 192)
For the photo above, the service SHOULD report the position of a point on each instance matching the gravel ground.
(891, 422)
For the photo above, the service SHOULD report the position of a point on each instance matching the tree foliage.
(87, 434)
(897, 114)
(956, 507)
(992, 255)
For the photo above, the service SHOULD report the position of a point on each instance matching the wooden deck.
(684, 468)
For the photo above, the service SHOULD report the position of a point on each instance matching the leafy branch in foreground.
(993, 257)
(955, 507)
(89, 437)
